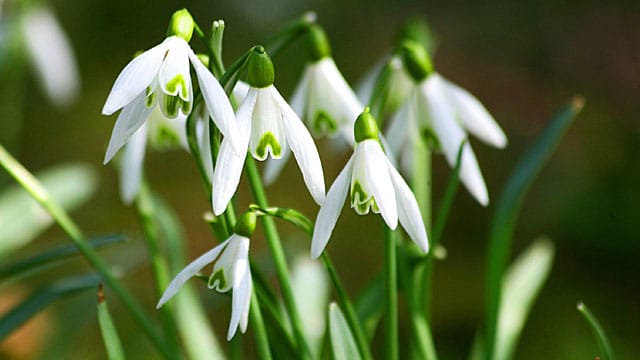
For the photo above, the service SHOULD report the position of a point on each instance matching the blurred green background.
(523, 60)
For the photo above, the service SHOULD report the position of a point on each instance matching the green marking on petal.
(431, 139)
(268, 140)
(324, 124)
(218, 281)
(173, 84)
(362, 202)
(150, 99)
(171, 105)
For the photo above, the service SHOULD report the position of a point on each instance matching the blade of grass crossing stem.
(108, 329)
(54, 255)
(507, 209)
(40, 299)
(198, 337)
(601, 337)
(522, 284)
(40, 194)
(343, 345)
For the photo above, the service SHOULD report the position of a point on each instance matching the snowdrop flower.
(372, 184)
(446, 111)
(230, 272)
(50, 53)
(267, 127)
(160, 77)
(323, 98)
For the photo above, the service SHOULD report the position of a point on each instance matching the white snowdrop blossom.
(325, 101)
(268, 128)
(398, 87)
(161, 77)
(372, 183)
(230, 272)
(51, 55)
(447, 112)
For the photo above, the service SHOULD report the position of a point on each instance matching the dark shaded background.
(523, 59)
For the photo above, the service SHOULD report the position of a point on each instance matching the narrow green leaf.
(290, 215)
(43, 298)
(22, 219)
(51, 256)
(522, 284)
(601, 337)
(342, 341)
(507, 209)
(108, 329)
(368, 305)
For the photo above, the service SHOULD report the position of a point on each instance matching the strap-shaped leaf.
(343, 344)
(108, 329)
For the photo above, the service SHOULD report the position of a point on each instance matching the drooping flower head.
(231, 272)
(268, 128)
(323, 98)
(161, 77)
(445, 112)
(373, 184)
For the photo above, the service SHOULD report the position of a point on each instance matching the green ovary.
(268, 140)
(361, 201)
(324, 124)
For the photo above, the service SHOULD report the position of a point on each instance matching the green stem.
(280, 262)
(421, 186)
(391, 292)
(262, 340)
(159, 266)
(37, 191)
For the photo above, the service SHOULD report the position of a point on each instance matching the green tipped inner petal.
(324, 124)
(171, 105)
(362, 202)
(150, 99)
(218, 281)
(164, 139)
(178, 86)
(268, 142)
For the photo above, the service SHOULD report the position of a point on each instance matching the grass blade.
(522, 283)
(108, 329)
(51, 256)
(343, 344)
(22, 219)
(43, 298)
(601, 337)
(507, 209)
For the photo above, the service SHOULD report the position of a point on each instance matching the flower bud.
(317, 43)
(260, 72)
(181, 25)
(246, 224)
(416, 60)
(365, 127)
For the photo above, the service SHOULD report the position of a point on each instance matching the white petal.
(471, 176)
(397, 133)
(366, 84)
(274, 167)
(266, 120)
(134, 78)
(242, 287)
(189, 271)
(377, 177)
(300, 95)
(304, 150)
(176, 64)
(240, 91)
(474, 116)
(450, 136)
(51, 55)
(339, 100)
(330, 210)
(230, 163)
(408, 211)
(129, 120)
(217, 102)
(131, 165)
(204, 141)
